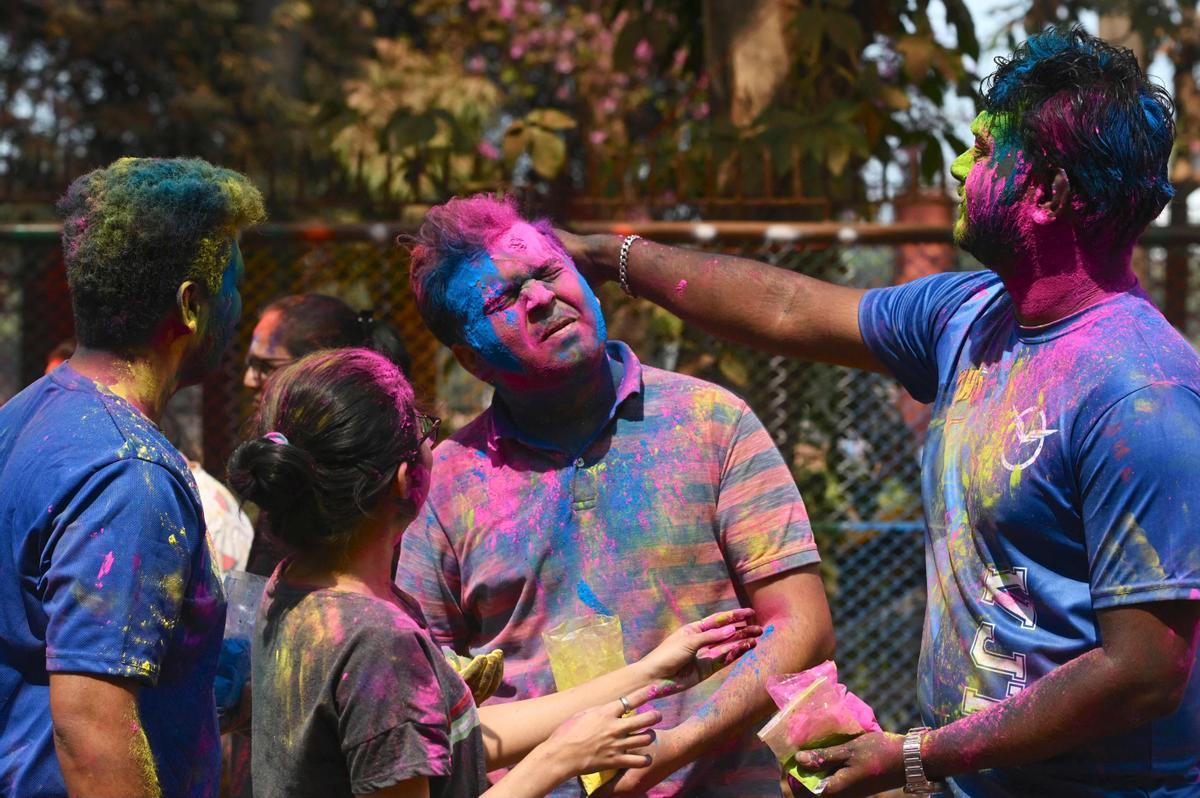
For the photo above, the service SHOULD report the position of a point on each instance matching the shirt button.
(579, 462)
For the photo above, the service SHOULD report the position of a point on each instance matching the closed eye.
(498, 302)
(547, 272)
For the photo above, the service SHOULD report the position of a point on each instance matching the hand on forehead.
(523, 241)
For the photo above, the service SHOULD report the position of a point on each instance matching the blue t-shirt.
(106, 571)
(1059, 478)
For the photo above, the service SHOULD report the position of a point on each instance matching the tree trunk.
(748, 54)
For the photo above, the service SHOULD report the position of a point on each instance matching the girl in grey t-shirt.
(350, 694)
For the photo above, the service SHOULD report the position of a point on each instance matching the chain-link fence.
(852, 438)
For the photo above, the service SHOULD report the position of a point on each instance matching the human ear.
(189, 300)
(1055, 197)
(470, 360)
(403, 482)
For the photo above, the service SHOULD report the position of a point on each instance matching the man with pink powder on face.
(596, 485)
(1059, 474)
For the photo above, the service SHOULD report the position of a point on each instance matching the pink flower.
(507, 9)
(516, 51)
(488, 150)
(598, 137)
(643, 51)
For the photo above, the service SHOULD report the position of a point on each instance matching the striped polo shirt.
(680, 501)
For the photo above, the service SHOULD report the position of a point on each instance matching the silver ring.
(625, 704)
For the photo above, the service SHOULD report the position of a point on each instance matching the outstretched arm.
(512, 730)
(745, 301)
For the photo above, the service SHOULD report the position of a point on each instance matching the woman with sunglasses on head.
(351, 696)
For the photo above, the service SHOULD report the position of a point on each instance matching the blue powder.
(465, 297)
(593, 602)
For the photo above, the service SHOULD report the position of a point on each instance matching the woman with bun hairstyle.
(287, 330)
(351, 696)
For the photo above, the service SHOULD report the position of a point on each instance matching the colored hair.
(349, 418)
(451, 237)
(1077, 103)
(308, 322)
(137, 229)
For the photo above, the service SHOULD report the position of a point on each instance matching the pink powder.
(105, 567)
(681, 287)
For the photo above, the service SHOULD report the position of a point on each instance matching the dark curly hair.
(138, 228)
(349, 417)
(308, 322)
(1077, 103)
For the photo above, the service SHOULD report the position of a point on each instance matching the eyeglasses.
(428, 426)
(267, 367)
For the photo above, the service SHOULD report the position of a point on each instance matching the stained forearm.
(797, 634)
(534, 776)
(1091, 697)
(742, 700)
(510, 731)
(98, 737)
(743, 300)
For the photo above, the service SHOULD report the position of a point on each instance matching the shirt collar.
(620, 358)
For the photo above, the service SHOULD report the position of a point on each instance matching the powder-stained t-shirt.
(107, 572)
(1060, 477)
(680, 502)
(351, 696)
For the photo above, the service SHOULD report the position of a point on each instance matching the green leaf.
(895, 98)
(844, 31)
(407, 129)
(548, 151)
(932, 159)
(837, 156)
(918, 56)
(516, 141)
(959, 15)
(551, 119)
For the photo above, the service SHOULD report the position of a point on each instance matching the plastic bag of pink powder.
(815, 711)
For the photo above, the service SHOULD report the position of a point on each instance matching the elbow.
(826, 646)
(1157, 691)
(1167, 698)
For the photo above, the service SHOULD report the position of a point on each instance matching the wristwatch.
(915, 782)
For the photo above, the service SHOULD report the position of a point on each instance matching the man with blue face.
(112, 613)
(1059, 475)
(595, 485)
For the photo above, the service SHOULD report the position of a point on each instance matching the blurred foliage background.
(354, 109)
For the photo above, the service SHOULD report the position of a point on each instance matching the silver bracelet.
(623, 264)
(915, 781)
